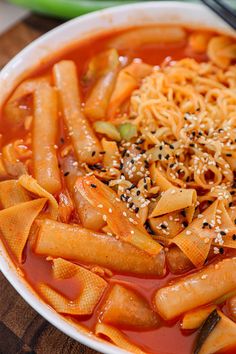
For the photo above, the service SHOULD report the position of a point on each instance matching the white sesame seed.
(204, 276)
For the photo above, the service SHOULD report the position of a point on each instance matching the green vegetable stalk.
(69, 8)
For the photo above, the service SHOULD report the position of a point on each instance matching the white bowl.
(54, 41)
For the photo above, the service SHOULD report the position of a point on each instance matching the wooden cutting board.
(22, 330)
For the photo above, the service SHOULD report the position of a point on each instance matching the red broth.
(168, 339)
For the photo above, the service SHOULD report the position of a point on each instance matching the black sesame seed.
(102, 152)
(167, 157)
(121, 166)
(131, 187)
(124, 198)
(183, 213)
(153, 131)
(145, 187)
(123, 153)
(140, 141)
(66, 173)
(161, 147)
(138, 193)
(222, 233)
(185, 223)
(171, 146)
(138, 148)
(230, 204)
(131, 204)
(93, 185)
(163, 226)
(234, 237)
(172, 165)
(229, 154)
(205, 224)
(192, 145)
(93, 153)
(136, 210)
(146, 164)
(160, 156)
(235, 221)
(221, 250)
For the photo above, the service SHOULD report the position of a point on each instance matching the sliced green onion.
(108, 129)
(127, 131)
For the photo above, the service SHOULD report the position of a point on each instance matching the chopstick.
(223, 10)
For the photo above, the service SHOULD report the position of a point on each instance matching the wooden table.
(22, 330)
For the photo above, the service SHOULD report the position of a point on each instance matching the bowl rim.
(7, 266)
(17, 63)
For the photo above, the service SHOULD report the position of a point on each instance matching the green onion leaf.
(108, 129)
(127, 131)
